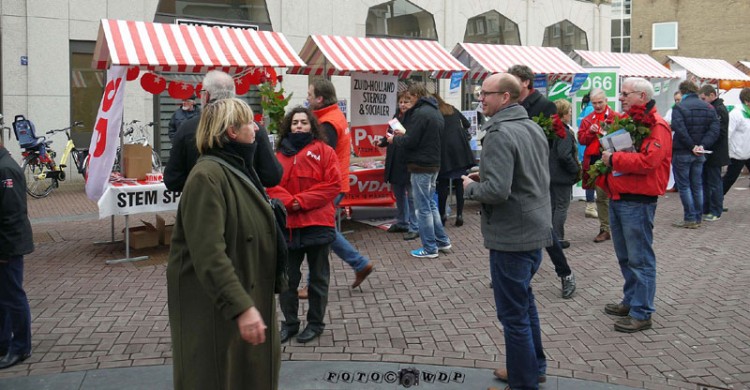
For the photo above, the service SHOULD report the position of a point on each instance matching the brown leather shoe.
(632, 325)
(302, 293)
(603, 236)
(617, 309)
(502, 374)
(360, 276)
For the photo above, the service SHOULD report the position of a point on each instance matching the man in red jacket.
(588, 135)
(641, 177)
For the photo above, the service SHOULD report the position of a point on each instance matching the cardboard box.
(145, 236)
(165, 231)
(136, 161)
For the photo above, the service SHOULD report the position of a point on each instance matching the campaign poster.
(373, 104)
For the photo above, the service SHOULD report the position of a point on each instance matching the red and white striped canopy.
(484, 59)
(339, 56)
(631, 64)
(188, 48)
(744, 66)
(710, 70)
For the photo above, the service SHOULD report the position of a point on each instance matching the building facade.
(697, 28)
(46, 45)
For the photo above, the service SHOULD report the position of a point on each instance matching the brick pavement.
(88, 315)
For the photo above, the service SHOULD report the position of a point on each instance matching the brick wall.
(707, 28)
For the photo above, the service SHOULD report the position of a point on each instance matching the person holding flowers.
(588, 134)
(563, 168)
(633, 181)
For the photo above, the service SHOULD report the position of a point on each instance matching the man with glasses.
(588, 134)
(184, 153)
(535, 103)
(513, 188)
(641, 177)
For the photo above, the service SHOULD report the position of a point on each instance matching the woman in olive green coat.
(222, 263)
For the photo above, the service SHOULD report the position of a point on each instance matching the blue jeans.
(590, 196)
(688, 173)
(713, 193)
(632, 237)
(511, 283)
(15, 315)
(346, 251)
(405, 206)
(431, 230)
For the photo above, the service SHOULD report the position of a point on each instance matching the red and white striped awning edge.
(339, 55)
(485, 59)
(710, 69)
(631, 64)
(188, 48)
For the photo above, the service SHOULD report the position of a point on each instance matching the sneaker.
(568, 286)
(591, 211)
(687, 224)
(396, 228)
(422, 253)
(632, 325)
(710, 218)
(445, 248)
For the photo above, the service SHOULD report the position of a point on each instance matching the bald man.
(513, 187)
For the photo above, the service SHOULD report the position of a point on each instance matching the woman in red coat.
(307, 189)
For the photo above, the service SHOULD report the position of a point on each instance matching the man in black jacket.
(16, 241)
(713, 193)
(421, 143)
(535, 103)
(184, 154)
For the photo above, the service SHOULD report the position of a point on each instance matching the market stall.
(629, 65)
(132, 50)
(728, 79)
(375, 66)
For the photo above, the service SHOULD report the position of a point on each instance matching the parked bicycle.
(42, 173)
(131, 137)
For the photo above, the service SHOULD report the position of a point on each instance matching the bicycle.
(142, 139)
(42, 173)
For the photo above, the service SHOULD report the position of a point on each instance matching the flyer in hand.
(396, 125)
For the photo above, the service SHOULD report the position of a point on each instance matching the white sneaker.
(591, 210)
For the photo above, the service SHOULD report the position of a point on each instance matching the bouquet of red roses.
(637, 123)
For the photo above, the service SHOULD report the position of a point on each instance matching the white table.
(126, 198)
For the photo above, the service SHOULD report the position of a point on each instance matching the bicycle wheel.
(35, 186)
(155, 161)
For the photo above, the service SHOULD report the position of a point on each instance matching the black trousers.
(317, 259)
(442, 186)
(733, 172)
(555, 252)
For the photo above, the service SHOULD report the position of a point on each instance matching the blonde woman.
(222, 267)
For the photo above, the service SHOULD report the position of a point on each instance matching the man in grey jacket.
(513, 188)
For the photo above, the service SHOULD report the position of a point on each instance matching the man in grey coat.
(513, 188)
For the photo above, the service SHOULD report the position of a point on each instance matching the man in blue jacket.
(696, 129)
(16, 241)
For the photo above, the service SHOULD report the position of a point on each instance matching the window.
(492, 28)
(86, 90)
(400, 19)
(664, 36)
(573, 38)
(621, 35)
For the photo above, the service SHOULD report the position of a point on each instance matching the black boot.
(459, 220)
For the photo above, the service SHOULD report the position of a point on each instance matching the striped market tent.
(485, 59)
(189, 48)
(707, 70)
(630, 64)
(339, 56)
